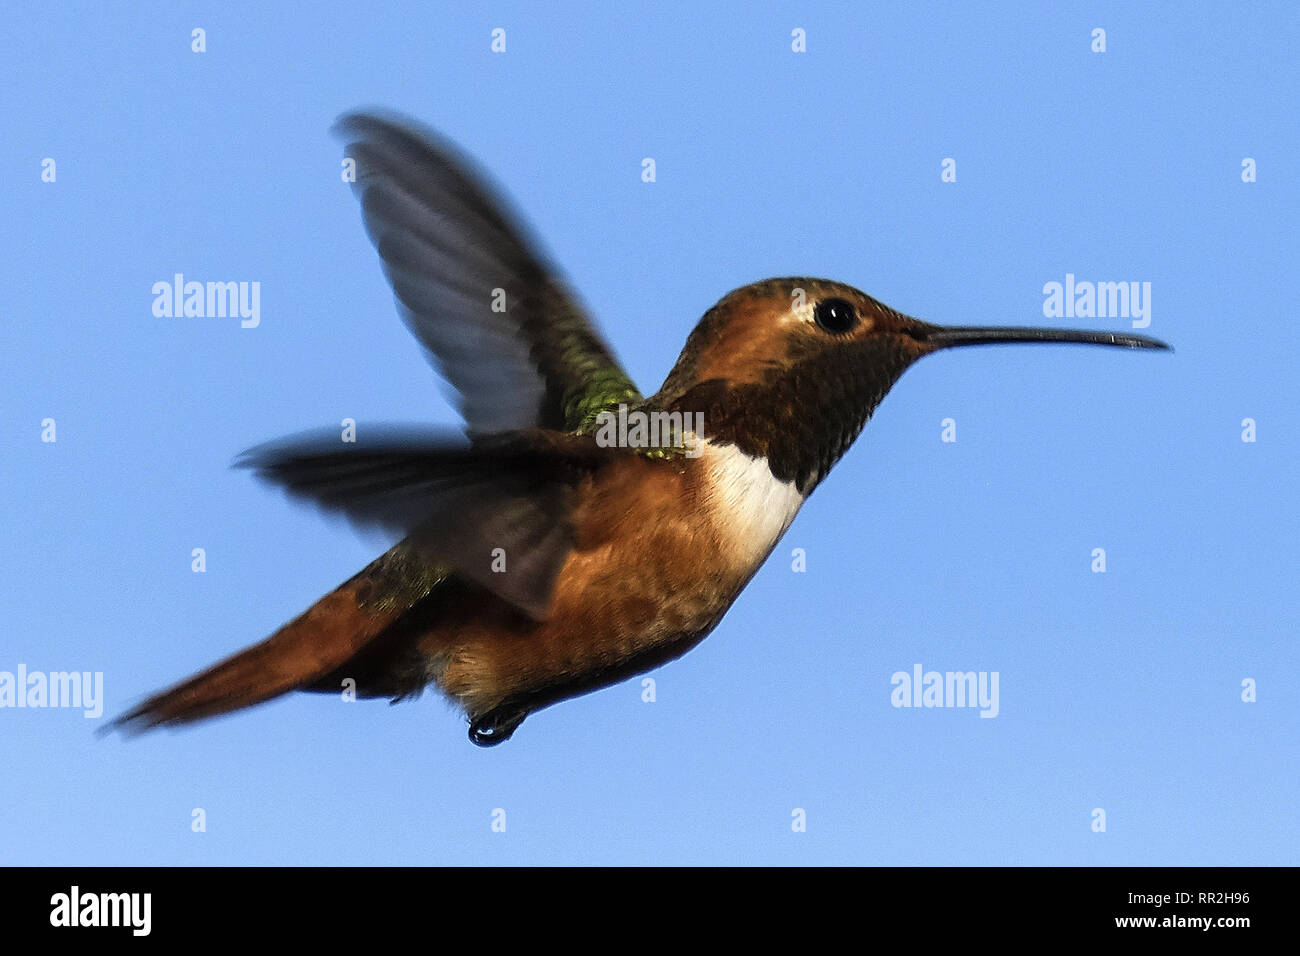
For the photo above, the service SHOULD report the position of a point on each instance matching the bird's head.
(791, 369)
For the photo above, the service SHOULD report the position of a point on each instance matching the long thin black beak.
(947, 337)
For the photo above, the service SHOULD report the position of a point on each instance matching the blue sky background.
(1118, 690)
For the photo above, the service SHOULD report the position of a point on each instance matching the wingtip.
(346, 124)
(366, 121)
(254, 457)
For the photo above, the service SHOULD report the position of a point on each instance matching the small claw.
(496, 725)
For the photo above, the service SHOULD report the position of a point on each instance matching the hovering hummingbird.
(543, 554)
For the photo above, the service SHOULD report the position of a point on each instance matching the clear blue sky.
(1119, 691)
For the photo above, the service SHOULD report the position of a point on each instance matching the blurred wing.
(457, 503)
(448, 244)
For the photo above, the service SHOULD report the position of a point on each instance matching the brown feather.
(329, 633)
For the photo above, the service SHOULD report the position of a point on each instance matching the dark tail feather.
(317, 642)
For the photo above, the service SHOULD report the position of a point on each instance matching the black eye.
(835, 315)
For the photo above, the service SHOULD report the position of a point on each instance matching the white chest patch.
(753, 507)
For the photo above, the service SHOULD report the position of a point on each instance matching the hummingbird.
(542, 552)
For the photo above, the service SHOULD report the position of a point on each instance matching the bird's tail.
(326, 636)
